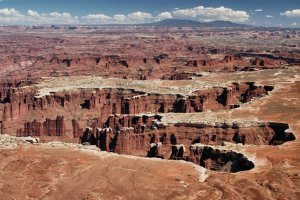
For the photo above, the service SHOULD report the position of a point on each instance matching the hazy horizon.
(32, 12)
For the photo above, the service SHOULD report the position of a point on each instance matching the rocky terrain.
(28, 53)
(148, 113)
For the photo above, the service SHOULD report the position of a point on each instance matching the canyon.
(117, 123)
(174, 113)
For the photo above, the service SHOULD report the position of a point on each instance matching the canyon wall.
(21, 109)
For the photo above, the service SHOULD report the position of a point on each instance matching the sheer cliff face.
(68, 113)
(147, 136)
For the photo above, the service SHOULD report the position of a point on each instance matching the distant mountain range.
(193, 23)
(178, 23)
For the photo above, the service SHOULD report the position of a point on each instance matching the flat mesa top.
(181, 87)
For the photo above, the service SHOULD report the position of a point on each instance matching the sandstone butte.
(148, 113)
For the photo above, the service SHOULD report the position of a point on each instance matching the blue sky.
(257, 12)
